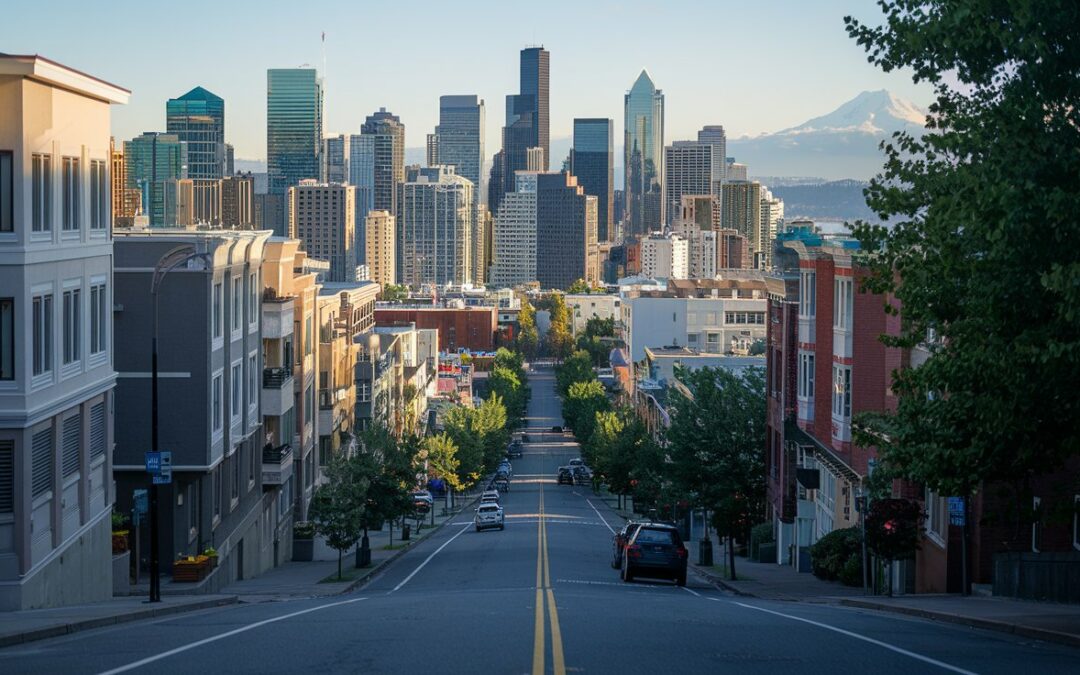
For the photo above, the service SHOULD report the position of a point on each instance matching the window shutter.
(41, 463)
(97, 430)
(72, 438)
(7, 477)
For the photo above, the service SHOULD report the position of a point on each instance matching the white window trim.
(236, 310)
(236, 385)
(102, 356)
(256, 380)
(75, 367)
(218, 374)
(46, 377)
(935, 503)
(217, 341)
(254, 294)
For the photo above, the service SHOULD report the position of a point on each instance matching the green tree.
(506, 384)
(337, 507)
(559, 340)
(582, 403)
(395, 292)
(577, 368)
(979, 247)
(489, 424)
(716, 442)
(528, 337)
(470, 449)
(591, 342)
(440, 452)
(390, 465)
(617, 448)
(579, 286)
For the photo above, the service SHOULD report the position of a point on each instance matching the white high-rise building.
(515, 235)
(56, 335)
(694, 168)
(666, 256)
(772, 220)
(435, 227)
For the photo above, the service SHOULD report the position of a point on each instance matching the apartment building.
(56, 334)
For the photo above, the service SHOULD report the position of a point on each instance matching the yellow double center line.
(543, 590)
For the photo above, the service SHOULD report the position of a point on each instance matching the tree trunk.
(339, 564)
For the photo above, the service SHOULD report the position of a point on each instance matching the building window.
(192, 507)
(43, 335)
(97, 430)
(237, 299)
(236, 469)
(843, 290)
(253, 298)
(217, 309)
(309, 404)
(215, 403)
(252, 459)
(42, 193)
(72, 326)
(237, 391)
(71, 445)
(308, 336)
(808, 295)
(7, 191)
(937, 517)
(7, 477)
(41, 463)
(71, 194)
(806, 375)
(842, 391)
(253, 362)
(99, 194)
(7, 338)
(98, 318)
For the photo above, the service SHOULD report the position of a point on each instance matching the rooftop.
(50, 72)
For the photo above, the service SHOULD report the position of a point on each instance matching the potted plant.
(120, 532)
(212, 555)
(303, 542)
(190, 568)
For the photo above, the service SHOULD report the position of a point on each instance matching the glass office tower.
(592, 160)
(198, 119)
(460, 137)
(152, 160)
(294, 126)
(644, 156)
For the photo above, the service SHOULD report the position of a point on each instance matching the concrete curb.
(974, 622)
(719, 582)
(112, 619)
(365, 578)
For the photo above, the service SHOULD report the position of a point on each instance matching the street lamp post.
(168, 262)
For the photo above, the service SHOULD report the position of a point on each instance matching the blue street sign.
(956, 511)
(153, 462)
(163, 479)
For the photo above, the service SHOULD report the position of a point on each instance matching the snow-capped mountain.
(840, 144)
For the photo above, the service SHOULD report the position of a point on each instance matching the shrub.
(851, 573)
(760, 534)
(830, 555)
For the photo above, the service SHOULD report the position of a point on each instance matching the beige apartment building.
(380, 247)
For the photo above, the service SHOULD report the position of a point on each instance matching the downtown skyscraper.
(294, 126)
(388, 157)
(198, 119)
(527, 124)
(643, 148)
(459, 138)
(592, 160)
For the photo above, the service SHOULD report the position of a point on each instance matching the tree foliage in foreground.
(983, 247)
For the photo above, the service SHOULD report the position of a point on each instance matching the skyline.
(801, 53)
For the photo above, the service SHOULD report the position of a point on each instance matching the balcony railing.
(276, 455)
(277, 465)
(275, 378)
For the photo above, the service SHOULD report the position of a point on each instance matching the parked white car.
(489, 515)
(489, 497)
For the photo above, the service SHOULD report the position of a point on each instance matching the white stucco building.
(56, 364)
(665, 255)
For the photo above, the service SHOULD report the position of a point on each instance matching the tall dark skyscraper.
(389, 157)
(198, 119)
(592, 160)
(527, 122)
(565, 231)
(294, 126)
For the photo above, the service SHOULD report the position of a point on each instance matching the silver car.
(489, 515)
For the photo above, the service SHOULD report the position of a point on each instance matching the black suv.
(655, 550)
(515, 450)
(565, 476)
(618, 542)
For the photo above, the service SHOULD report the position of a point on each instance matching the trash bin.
(406, 530)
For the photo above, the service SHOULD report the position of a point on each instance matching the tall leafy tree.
(470, 448)
(508, 387)
(440, 452)
(559, 340)
(583, 401)
(528, 337)
(716, 441)
(337, 507)
(577, 368)
(982, 249)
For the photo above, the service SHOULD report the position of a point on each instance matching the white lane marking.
(694, 593)
(898, 650)
(428, 559)
(237, 631)
(589, 502)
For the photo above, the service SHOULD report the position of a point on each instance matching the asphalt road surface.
(538, 597)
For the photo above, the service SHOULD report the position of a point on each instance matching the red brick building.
(471, 328)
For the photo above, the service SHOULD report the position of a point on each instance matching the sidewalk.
(1042, 621)
(306, 579)
(291, 580)
(39, 624)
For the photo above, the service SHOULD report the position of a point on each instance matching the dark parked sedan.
(655, 551)
(618, 542)
(565, 476)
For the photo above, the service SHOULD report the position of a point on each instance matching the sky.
(753, 67)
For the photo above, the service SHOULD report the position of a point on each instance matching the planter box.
(190, 572)
(303, 550)
(766, 553)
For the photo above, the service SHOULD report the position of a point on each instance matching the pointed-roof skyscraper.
(643, 148)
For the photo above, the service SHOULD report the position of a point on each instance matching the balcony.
(277, 465)
(277, 316)
(277, 391)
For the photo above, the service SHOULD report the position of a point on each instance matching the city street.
(537, 597)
